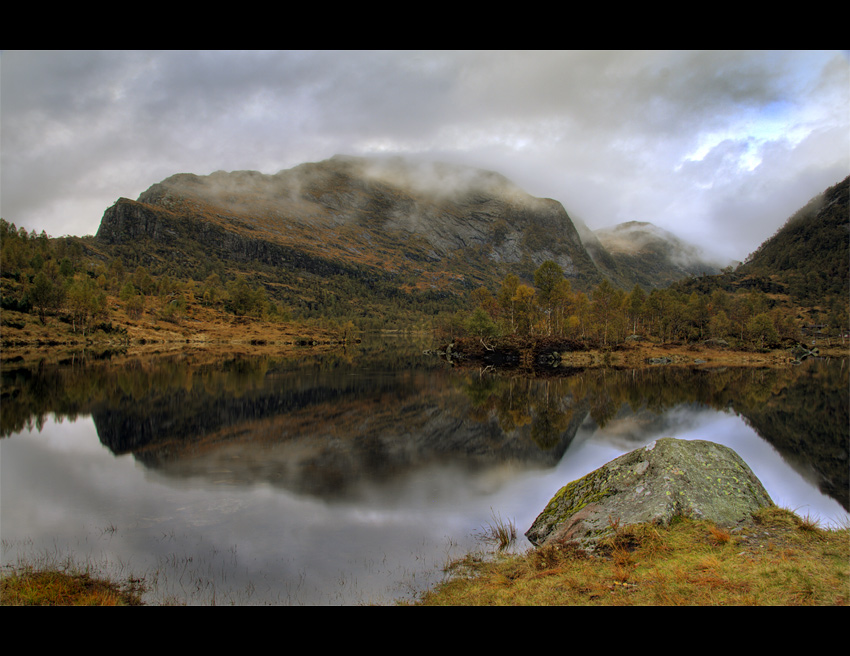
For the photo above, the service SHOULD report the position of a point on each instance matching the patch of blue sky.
(775, 122)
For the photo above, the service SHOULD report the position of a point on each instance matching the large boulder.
(665, 479)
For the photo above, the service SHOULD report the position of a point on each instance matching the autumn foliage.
(607, 316)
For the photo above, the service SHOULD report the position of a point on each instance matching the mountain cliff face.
(420, 226)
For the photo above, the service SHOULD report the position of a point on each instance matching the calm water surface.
(353, 477)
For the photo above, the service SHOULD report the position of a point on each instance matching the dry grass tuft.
(501, 532)
(29, 587)
(720, 535)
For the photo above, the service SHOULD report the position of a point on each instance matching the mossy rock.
(665, 479)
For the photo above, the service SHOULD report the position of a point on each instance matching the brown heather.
(779, 559)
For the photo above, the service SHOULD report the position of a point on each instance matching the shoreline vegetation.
(68, 293)
(779, 558)
(26, 338)
(530, 360)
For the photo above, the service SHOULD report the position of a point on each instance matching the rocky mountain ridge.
(459, 225)
(386, 226)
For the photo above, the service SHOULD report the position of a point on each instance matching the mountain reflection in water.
(338, 427)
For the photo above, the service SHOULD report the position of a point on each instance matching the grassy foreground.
(54, 587)
(779, 559)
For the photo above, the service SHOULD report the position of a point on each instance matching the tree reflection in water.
(323, 423)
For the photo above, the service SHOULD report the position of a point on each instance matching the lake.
(352, 476)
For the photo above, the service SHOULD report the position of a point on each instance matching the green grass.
(779, 559)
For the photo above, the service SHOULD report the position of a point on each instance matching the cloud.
(716, 146)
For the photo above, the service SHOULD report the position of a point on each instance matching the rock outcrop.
(665, 479)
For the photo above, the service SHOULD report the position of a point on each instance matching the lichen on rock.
(665, 479)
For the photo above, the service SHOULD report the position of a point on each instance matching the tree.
(116, 273)
(507, 292)
(635, 304)
(211, 290)
(86, 303)
(577, 324)
(744, 307)
(563, 304)
(761, 331)
(14, 251)
(482, 298)
(719, 300)
(786, 326)
(347, 329)
(699, 314)
(244, 299)
(546, 278)
(173, 310)
(674, 318)
(524, 309)
(46, 293)
(606, 304)
(654, 310)
(66, 267)
(132, 300)
(719, 325)
(479, 324)
(143, 281)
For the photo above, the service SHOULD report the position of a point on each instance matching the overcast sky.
(718, 147)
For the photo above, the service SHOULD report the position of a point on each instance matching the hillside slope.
(409, 227)
(810, 254)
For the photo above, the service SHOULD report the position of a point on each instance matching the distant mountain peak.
(628, 225)
(649, 255)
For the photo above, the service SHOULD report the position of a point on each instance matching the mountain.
(807, 261)
(352, 234)
(810, 253)
(388, 226)
(603, 260)
(638, 252)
